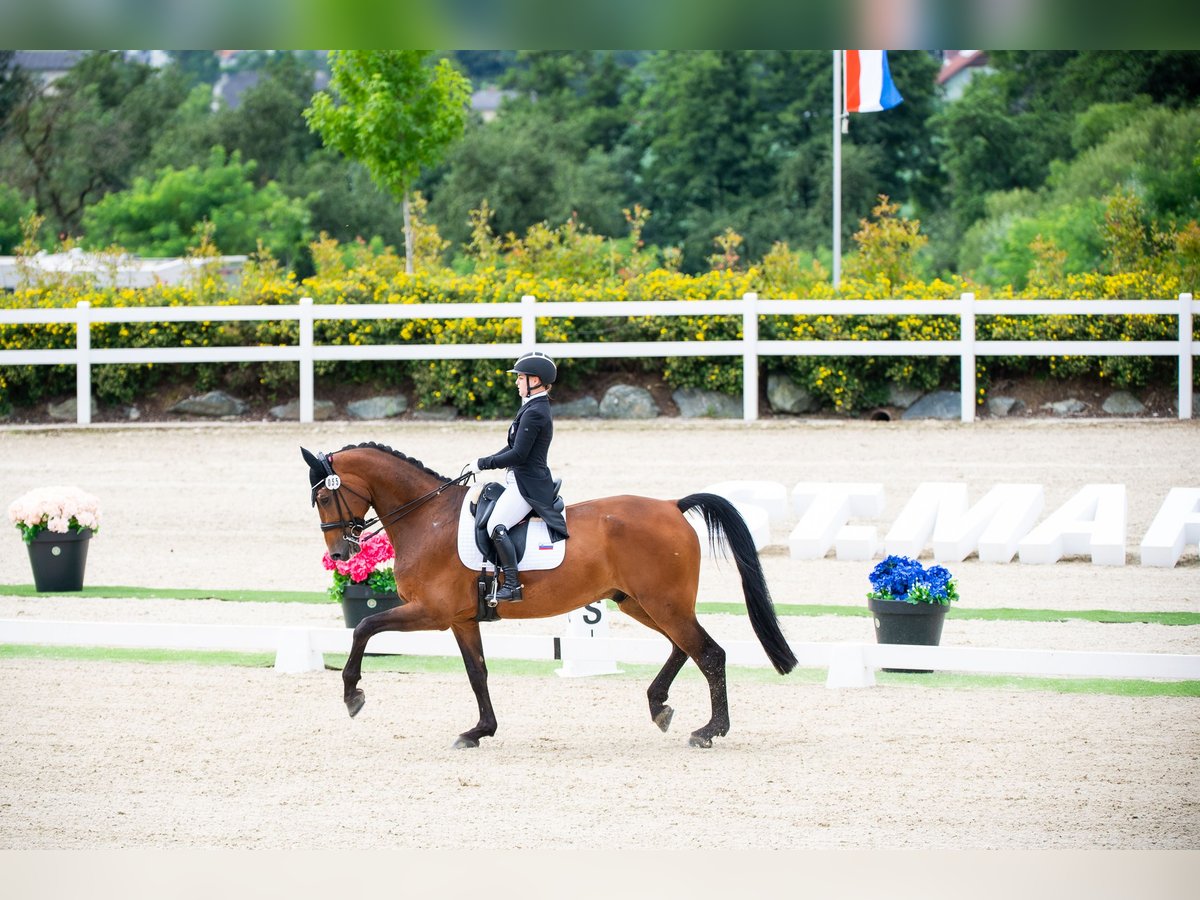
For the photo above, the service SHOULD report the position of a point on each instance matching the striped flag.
(869, 86)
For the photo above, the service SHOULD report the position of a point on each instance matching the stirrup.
(516, 595)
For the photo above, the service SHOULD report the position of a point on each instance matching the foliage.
(903, 579)
(363, 566)
(163, 217)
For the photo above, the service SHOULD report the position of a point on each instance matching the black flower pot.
(898, 622)
(58, 560)
(359, 601)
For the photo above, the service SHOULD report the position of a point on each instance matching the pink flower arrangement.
(376, 549)
(57, 509)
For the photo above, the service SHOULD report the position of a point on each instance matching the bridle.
(353, 526)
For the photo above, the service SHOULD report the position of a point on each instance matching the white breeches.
(511, 508)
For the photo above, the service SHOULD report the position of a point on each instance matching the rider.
(528, 483)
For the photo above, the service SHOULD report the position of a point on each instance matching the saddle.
(482, 511)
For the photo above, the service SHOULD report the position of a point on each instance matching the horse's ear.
(312, 461)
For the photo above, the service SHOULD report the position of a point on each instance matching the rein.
(358, 525)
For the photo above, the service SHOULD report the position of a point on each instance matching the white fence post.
(750, 358)
(306, 359)
(528, 323)
(1185, 356)
(966, 337)
(83, 368)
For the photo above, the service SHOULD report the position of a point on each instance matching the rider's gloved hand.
(472, 467)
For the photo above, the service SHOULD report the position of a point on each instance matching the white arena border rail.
(529, 310)
(299, 649)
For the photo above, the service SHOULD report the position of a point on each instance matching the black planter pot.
(359, 601)
(897, 622)
(58, 560)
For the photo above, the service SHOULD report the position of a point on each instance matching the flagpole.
(837, 168)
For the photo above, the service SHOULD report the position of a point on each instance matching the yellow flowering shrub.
(481, 388)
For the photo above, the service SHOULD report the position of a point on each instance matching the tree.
(163, 217)
(396, 116)
(69, 146)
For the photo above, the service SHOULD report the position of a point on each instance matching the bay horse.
(640, 552)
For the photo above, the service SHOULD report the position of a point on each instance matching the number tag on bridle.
(333, 482)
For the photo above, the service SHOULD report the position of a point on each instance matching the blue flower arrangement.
(903, 579)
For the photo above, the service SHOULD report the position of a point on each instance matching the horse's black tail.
(727, 530)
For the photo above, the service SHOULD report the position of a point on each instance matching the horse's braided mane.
(371, 445)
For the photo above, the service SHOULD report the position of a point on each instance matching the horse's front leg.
(407, 617)
(470, 644)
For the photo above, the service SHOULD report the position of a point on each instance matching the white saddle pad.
(540, 552)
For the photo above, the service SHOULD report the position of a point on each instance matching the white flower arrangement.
(57, 509)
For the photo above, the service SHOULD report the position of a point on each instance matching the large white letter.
(1176, 525)
(823, 508)
(1093, 521)
(994, 525)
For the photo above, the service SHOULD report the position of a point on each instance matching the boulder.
(627, 401)
(785, 396)
(1005, 406)
(385, 407)
(214, 404)
(322, 410)
(694, 403)
(937, 405)
(67, 411)
(1123, 403)
(1068, 407)
(585, 407)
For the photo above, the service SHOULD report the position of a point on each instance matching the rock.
(902, 396)
(214, 404)
(436, 414)
(1005, 406)
(694, 403)
(67, 411)
(938, 405)
(785, 396)
(626, 401)
(322, 410)
(1123, 403)
(385, 407)
(586, 407)
(1068, 407)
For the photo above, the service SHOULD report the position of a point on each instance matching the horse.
(637, 551)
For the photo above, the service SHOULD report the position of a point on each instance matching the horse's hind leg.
(692, 639)
(660, 687)
(470, 644)
(711, 660)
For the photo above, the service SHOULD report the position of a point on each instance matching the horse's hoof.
(465, 743)
(663, 719)
(697, 740)
(355, 703)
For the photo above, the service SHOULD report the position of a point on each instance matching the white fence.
(750, 348)
(300, 648)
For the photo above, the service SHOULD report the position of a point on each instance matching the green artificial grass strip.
(1121, 687)
(639, 673)
(121, 654)
(143, 593)
(1000, 614)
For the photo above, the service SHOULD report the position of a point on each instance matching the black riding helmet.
(538, 364)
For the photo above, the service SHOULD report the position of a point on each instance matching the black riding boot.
(510, 591)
